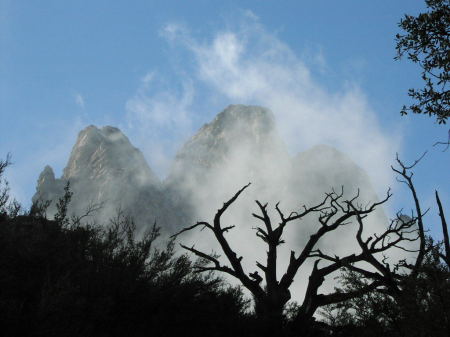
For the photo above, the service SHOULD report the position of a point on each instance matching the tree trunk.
(305, 325)
(270, 317)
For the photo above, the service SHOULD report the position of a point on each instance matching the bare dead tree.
(419, 295)
(404, 171)
(332, 213)
(445, 257)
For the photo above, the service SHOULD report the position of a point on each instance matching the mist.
(290, 136)
(246, 64)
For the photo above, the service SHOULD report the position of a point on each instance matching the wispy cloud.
(79, 100)
(247, 64)
(250, 65)
(158, 118)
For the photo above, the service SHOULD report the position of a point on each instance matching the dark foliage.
(426, 42)
(64, 278)
(422, 310)
(334, 212)
(61, 278)
(420, 304)
(375, 292)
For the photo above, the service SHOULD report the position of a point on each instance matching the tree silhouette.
(332, 213)
(420, 307)
(426, 42)
(64, 278)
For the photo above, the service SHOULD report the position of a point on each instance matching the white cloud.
(79, 100)
(158, 118)
(171, 31)
(249, 65)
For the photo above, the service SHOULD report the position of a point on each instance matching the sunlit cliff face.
(105, 169)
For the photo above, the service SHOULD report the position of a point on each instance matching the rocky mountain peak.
(243, 120)
(239, 115)
(103, 168)
(105, 152)
(47, 175)
(48, 187)
(244, 128)
(238, 146)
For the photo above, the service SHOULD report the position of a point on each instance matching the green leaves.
(426, 42)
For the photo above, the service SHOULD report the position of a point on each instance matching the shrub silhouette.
(62, 278)
(422, 310)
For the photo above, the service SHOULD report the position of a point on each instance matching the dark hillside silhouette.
(61, 278)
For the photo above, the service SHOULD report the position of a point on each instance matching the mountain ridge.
(239, 145)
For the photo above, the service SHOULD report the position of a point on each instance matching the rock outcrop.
(105, 169)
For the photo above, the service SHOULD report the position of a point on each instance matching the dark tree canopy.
(334, 212)
(426, 42)
(64, 278)
(370, 273)
(422, 310)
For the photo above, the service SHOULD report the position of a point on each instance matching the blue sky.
(160, 69)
